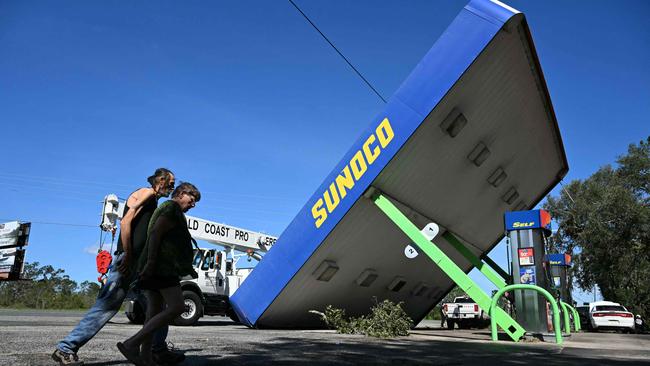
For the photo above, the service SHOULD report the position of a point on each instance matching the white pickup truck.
(464, 312)
(219, 277)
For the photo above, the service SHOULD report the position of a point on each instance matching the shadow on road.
(364, 351)
(218, 323)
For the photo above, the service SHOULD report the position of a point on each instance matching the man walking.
(133, 235)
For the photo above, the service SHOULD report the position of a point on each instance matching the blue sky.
(245, 100)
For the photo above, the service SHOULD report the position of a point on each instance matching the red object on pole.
(104, 260)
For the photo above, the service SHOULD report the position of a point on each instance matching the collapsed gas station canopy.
(469, 135)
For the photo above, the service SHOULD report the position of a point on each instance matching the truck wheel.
(450, 324)
(232, 315)
(138, 315)
(193, 309)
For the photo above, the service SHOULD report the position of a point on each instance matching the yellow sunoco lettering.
(385, 133)
(331, 203)
(319, 213)
(371, 156)
(358, 165)
(344, 181)
(352, 172)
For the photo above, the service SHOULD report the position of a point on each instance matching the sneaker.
(133, 355)
(66, 359)
(168, 357)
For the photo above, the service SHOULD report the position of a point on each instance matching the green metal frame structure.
(556, 311)
(497, 278)
(567, 320)
(498, 269)
(488, 272)
(576, 317)
(498, 315)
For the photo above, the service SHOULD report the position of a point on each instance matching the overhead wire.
(50, 189)
(72, 182)
(62, 181)
(36, 181)
(338, 51)
(29, 189)
(85, 197)
(49, 223)
(567, 192)
(30, 179)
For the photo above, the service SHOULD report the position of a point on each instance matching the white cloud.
(91, 249)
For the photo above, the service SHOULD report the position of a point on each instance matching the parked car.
(610, 315)
(583, 312)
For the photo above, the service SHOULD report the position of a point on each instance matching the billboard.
(9, 233)
(13, 238)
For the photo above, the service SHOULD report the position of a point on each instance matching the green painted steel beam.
(509, 325)
(565, 314)
(491, 275)
(556, 311)
(497, 269)
(576, 316)
(576, 319)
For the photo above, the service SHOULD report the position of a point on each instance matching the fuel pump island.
(527, 234)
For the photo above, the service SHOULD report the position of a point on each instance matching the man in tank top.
(133, 235)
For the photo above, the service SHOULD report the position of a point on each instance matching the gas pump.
(558, 265)
(527, 232)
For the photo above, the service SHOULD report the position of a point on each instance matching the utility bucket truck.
(219, 277)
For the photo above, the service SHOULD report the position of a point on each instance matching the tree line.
(45, 287)
(604, 224)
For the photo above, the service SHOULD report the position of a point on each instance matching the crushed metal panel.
(479, 85)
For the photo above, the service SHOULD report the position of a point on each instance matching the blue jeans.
(108, 303)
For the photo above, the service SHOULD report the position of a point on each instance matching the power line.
(38, 182)
(567, 192)
(30, 186)
(61, 181)
(337, 51)
(31, 190)
(50, 223)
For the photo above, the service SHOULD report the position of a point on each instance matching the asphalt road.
(29, 337)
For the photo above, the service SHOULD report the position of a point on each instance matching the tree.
(451, 295)
(47, 288)
(604, 223)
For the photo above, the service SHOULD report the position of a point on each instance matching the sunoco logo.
(353, 171)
